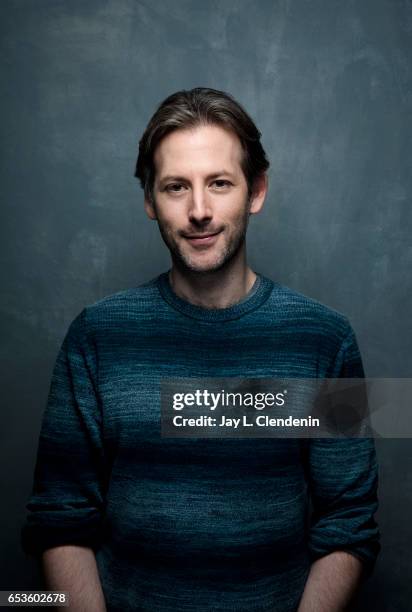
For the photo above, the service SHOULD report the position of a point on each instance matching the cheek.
(170, 222)
(236, 217)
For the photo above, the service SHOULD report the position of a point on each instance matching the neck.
(217, 289)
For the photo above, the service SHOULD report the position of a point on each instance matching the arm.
(66, 507)
(73, 569)
(342, 476)
(333, 581)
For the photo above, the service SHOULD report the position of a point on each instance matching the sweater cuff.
(36, 538)
(367, 555)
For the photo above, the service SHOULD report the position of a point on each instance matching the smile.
(203, 239)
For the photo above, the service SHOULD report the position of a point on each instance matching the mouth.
(202, 239)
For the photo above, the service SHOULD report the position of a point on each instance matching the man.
(128, 520)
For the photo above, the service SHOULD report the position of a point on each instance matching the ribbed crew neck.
(257, 295)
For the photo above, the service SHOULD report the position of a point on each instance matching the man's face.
(201, 197)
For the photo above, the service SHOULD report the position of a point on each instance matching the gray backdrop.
(328, 83)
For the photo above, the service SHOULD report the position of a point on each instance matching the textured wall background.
(330, 85)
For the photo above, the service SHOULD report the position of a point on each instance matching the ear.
(149, 208)
(260, 189)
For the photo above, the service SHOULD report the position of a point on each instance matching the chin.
(203, 267)
(198, 265)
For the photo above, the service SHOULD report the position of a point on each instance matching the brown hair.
(187, 109)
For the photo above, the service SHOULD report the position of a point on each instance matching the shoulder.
(301, 312)
(134, 297)
(112, 309)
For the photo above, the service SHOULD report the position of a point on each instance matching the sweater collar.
(257, 295)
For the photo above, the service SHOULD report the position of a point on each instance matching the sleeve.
(343, 481)
(67, 500)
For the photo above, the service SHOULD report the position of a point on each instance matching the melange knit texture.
(197, 525)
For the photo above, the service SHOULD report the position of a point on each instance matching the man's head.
(202, 168)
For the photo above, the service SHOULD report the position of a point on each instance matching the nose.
(200, 210)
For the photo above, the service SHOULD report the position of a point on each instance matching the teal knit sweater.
(197, 525)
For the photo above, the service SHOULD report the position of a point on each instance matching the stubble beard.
(185, 263)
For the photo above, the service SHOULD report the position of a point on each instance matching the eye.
(174, 188)
(221, 184)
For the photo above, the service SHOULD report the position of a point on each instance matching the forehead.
(201, 149)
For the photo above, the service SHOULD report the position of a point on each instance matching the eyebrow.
(209, 177)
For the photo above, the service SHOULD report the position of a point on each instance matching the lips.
(202, 239)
